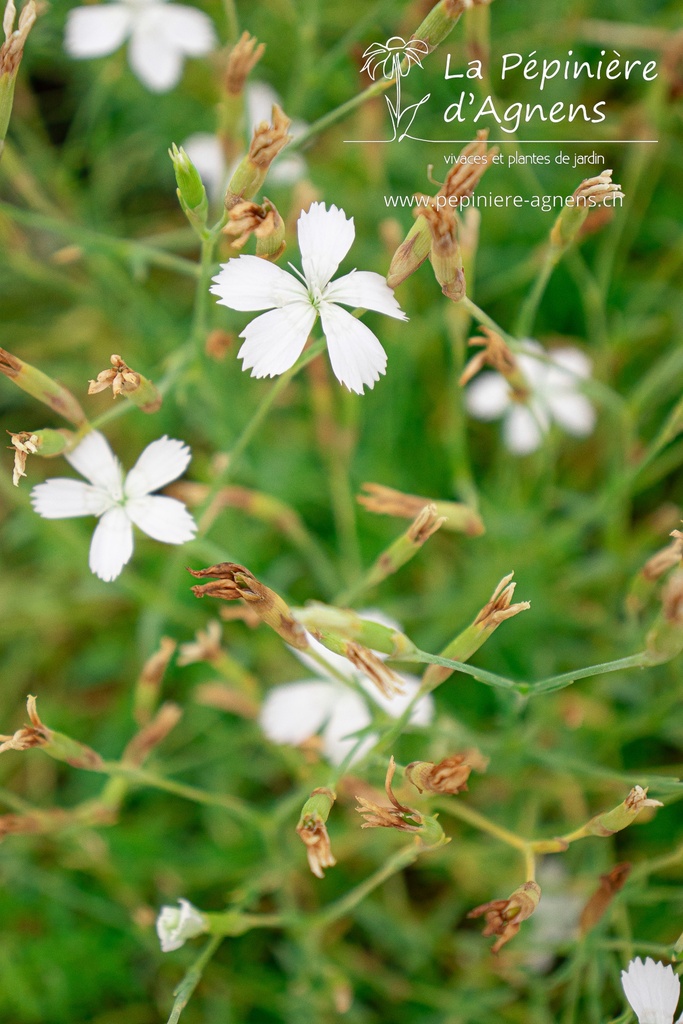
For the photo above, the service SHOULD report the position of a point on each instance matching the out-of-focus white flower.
(206, 153)
(161, 36)
(177, 924)
(294, 712)
(652, 989)
(275, 340)
(554, 381)
(117, 502)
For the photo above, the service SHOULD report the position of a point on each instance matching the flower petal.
(652, 989)
(488, 396)
(98, 30)
(188, 30)
(355, 353)
(523, 431)
(423, 712)
(573, 412)
(162, 461)
(156, 61)
(275, 340)
(94, 459)
(325, 237)
(366, 290)
(161, 518)
(296, 711)
(112, 544)
(248, 283)
(60, 498)
(349, 715)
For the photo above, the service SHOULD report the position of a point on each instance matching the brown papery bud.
(250, 173)
(231, 582)
(264, 222)
(495, 353)
(397, 816)
(124, 381)
(610, 884)
(504, 917)
(665, 559)
(387, 501)
(244, 56)
(467, 171)
(445, 251)
(500, 607)
(147, 688)
(152, 734)
(313, 832)
(12, 50)
(449, 775)
(367, 662)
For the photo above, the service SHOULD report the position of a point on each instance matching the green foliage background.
(576, 521)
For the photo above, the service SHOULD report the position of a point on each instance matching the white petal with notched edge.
(365, 290)
(65, 499)
(356, 355)
(161, 462)
(652, 989)
(98, 30)
(162, 518)
(325, 237)
(94, 459)
(250, 283)
(112, 544)
(275, 340)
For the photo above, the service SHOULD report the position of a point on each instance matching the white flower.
(294, 712)
(206, 153)
(275, 340)
(652, 990)
(119, 503)
(554, 383)
(161, 36)
(175, 925)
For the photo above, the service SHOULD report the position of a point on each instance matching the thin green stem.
(339, 113)
(461, 810)
(527, 314)
(401, 859)
(193, 976)
(232, 19)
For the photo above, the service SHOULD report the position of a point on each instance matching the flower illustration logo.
(394, 59)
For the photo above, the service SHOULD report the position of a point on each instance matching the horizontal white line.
(522, 142)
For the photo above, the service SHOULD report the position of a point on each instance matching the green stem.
(339, 113)
(527, 314)
(465, 813)
(192, 978)
(232, 20)
(400, 860)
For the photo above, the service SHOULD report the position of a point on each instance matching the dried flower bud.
(233, 582)
(205, 647)
(37, 384)
(313, 833)
(386, 681)
(620, 817)
(445, 251)
(504, 917)
(592, 192)
(11, 52)
(449, 775)
(226, 698)
(398, 816)
(148, 685)
(264, 222)
(466, 172)
(267, 142)
(56, 744)
(386, 501)
(665, 639)
(244, 56)
(500, 606)
(124, 381)
(665, 559)
(495, 353)
(45, 443)
(152, 734)
(24, 444)
(610, 884)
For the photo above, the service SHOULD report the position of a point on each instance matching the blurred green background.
(87, 157)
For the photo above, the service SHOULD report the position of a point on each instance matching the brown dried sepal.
(504, 917)
(495, 353)
(248, 218)
(205, 647)
(120, 378)
(596, 189)
(610, 884)
(245, 54)
(398, 816)
(268, 140)
(449, 775)
(23, 444)
(152, 734)
(464, 177)
(232, 582)
(12, 49)
(665, 559)
(425, 524)
(367, 662)
(500, 606)
(36, 734)
(313, 833)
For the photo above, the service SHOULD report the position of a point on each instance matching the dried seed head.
(665, 559)
(469, 169)
(500, 606)
(398, 816)
(495, 353)
(269, 140)
(152, 734)
(34, 735)
(205, 647)
(367, 662)
(264, 222)
(449, 775)
(233, 582)
(590, 194)
(245, 54)
(425, 524)
(24, 444)
(313, 832)
(120, 378)
(504, 917)
(610, 884)
(389, 502)
(597, 188)
(12, 49)
(445, 251)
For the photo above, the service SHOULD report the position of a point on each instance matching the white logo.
(394, 59)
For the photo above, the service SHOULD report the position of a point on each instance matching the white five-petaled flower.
(652, 989)
(275, 340)
(176, 925)
(161, 36)
(294, 712)
(553, 379)
(117, 502)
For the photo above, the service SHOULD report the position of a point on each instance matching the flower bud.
(449, 775)
(191, 192)
(176, 925)
(591, 191)
(405, 547)
(146, 693)
(411, 253)
(243, 57)
(11, 52)
(313, 833)
(504, 917)
(457, 517)
(46, 443)
(233, 582)
(619, 817)
(264, 222)
(37, 384)
(445, 251)
(442, 19)
(337, 624)
(250, 173)
(56, 744)
(124, 381)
